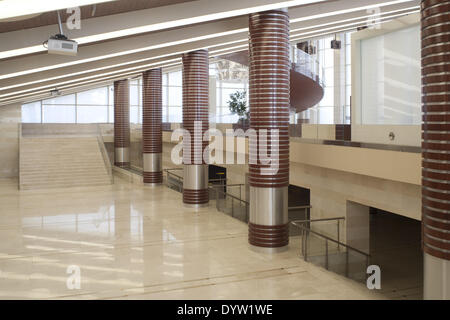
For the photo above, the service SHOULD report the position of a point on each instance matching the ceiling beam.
(27, 75)
(138, 22)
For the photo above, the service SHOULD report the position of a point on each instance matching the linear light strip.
(163, 45)
(199, 19)
(115, 65)
(162, 64)
(112, 78)
(18, 8)
(86, 78)
(360, 22)
(161, 56)
(338, 12)
(302, 37)
(164, 25)
(212, 54)
(357, 18)
(216, 52)
(295, 37)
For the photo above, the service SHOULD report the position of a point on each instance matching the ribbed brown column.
(436, 147)
(195, 114)
(122, 123)
(151, 126)
(269, 110)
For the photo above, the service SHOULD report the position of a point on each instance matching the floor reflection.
(130, 241)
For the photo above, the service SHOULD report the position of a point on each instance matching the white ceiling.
(135, 41)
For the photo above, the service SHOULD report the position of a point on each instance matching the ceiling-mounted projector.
(60, 44)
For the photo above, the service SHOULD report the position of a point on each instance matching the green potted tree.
(238, 105)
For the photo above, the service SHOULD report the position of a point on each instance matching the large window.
(173, 97)
(230, 78)
(91, 106)
(334, 108)
(348, 77)
(32, 112)
(223, 92)
(97, 105)
(136, 101)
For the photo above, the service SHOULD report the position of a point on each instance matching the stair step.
(58, 162)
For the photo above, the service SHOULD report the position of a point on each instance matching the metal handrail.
(173, 169)
(180, 178)
(333, 240)
(300, 208)
(309, 66)
(316, 220)
(228, 195)
(217, 180)
(168, 171)
(228, 185)
(104, 153)
(302, 225)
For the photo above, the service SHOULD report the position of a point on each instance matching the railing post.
(303, 242)
(232, 207)
(338, 236)
(306, 246)
(346, 263)
(246, 212)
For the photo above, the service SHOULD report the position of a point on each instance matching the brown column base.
(153, 177)
(268, 236)
(196, 197)
(122, 164)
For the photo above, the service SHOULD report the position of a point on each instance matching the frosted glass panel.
(92, 114)
(390, 78)
(326, 115)
(328, 98)
(175, 79)
(58, 114)
(164, 96)
(134, 114)
(31, 112)
(69, 99)
(164, 114)
(97, 96)
(111, 114)
(175, 96)
(175, 114)
(111, 95)
(134, 94)
(227, 116)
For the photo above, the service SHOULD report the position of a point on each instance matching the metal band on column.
(436, 147)
(195, 115)
(269, 110)
(122, 123)
(151, 126)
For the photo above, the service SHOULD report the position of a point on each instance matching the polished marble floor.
(134, 242)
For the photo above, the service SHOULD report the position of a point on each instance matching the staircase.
(62, 161)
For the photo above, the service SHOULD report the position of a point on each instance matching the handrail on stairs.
(104, 153)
